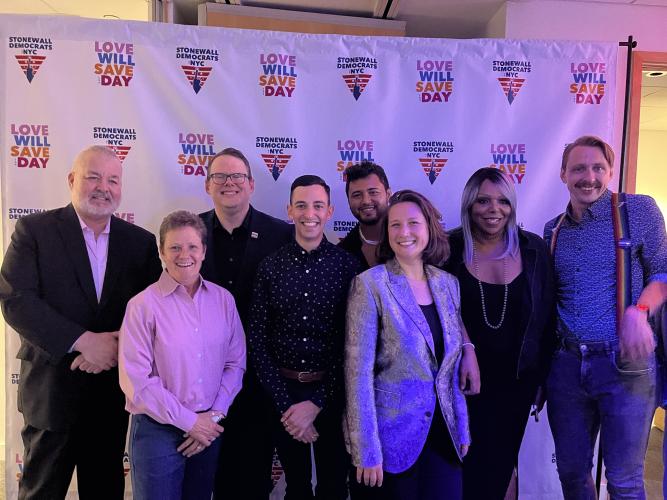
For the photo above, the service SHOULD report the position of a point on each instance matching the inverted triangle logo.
(197, 76)
(432, 167)
(357, 83)
(276, 163)
(29, 64)
(511, 87)
(120, 151)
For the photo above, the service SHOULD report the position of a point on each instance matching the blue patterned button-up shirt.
(585, 264)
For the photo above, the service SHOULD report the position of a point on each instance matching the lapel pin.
(254, 235)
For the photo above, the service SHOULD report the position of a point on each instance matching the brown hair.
(178, 219)
(234, 153)
(591, 141)
(437, 249)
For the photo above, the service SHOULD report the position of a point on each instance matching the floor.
(653, 466)
(652, 473)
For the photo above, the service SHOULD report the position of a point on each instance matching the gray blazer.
(391, 372)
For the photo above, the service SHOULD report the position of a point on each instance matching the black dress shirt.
(352, 243)
(228, 250)
(259, 236)
(297, 318)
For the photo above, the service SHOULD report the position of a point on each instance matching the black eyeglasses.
(236, 178)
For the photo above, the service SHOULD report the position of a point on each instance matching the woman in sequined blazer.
(406, 420)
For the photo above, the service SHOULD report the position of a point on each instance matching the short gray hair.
(95, 149)
(182, 218)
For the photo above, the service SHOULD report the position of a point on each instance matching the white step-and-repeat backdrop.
(167, 97)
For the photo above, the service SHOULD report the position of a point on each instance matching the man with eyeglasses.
(239, 237)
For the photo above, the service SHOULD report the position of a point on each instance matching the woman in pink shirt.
(181, 361)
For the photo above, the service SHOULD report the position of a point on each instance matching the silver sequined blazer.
(391, 372)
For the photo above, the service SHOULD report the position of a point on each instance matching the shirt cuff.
(186, 420)
(662, 277)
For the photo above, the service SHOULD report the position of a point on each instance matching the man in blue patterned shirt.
(602, 379)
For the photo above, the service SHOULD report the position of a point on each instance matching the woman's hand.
(469, 371)
(205, 430)
(464, 450)
(190, 446)
(370, 476)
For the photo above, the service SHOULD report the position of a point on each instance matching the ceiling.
(424, 18)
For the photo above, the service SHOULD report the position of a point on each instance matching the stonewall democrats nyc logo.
(511, 159)
(512, 76)
(589, 81)
(357, 72)
(115, 66)
(30, 146)
(30, 53)
(432, 156)
(197, 64)
(278, 77)
(196, 150)
(119, 140)
(435, 80)
(353, 151)
(276, 152)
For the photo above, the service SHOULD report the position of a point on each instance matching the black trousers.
(331, 459)
(436, 475)
(95, 445)
(246, 453)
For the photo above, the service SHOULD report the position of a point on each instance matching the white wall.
(592, 21)
(651, 166)
(563, 20)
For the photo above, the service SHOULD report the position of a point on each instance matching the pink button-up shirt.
(98, 250)
(179, 355)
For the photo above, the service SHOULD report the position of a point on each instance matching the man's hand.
(635, 335)
(469, 378)
(370, 476)
(100, 349)
(299, 418)
(204, 431)
(85, 366)
(310, 435)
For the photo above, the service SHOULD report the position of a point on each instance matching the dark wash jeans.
(159, 472)
(591, 389)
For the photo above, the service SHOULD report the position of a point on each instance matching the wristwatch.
(216, 417)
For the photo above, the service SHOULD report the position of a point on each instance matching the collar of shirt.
(85, 228)
(322, 249)
(600, 209)
(169, 285)
(245, 225)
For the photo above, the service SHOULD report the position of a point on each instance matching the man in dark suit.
(239, 237)
(65, 281)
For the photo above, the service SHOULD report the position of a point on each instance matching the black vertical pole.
(630, 44)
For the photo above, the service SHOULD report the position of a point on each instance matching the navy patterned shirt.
(297, 318)
(585, 264)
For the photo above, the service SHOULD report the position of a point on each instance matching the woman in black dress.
(507, 306)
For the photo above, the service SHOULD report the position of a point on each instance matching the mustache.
(586, 184)
(101, 194)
